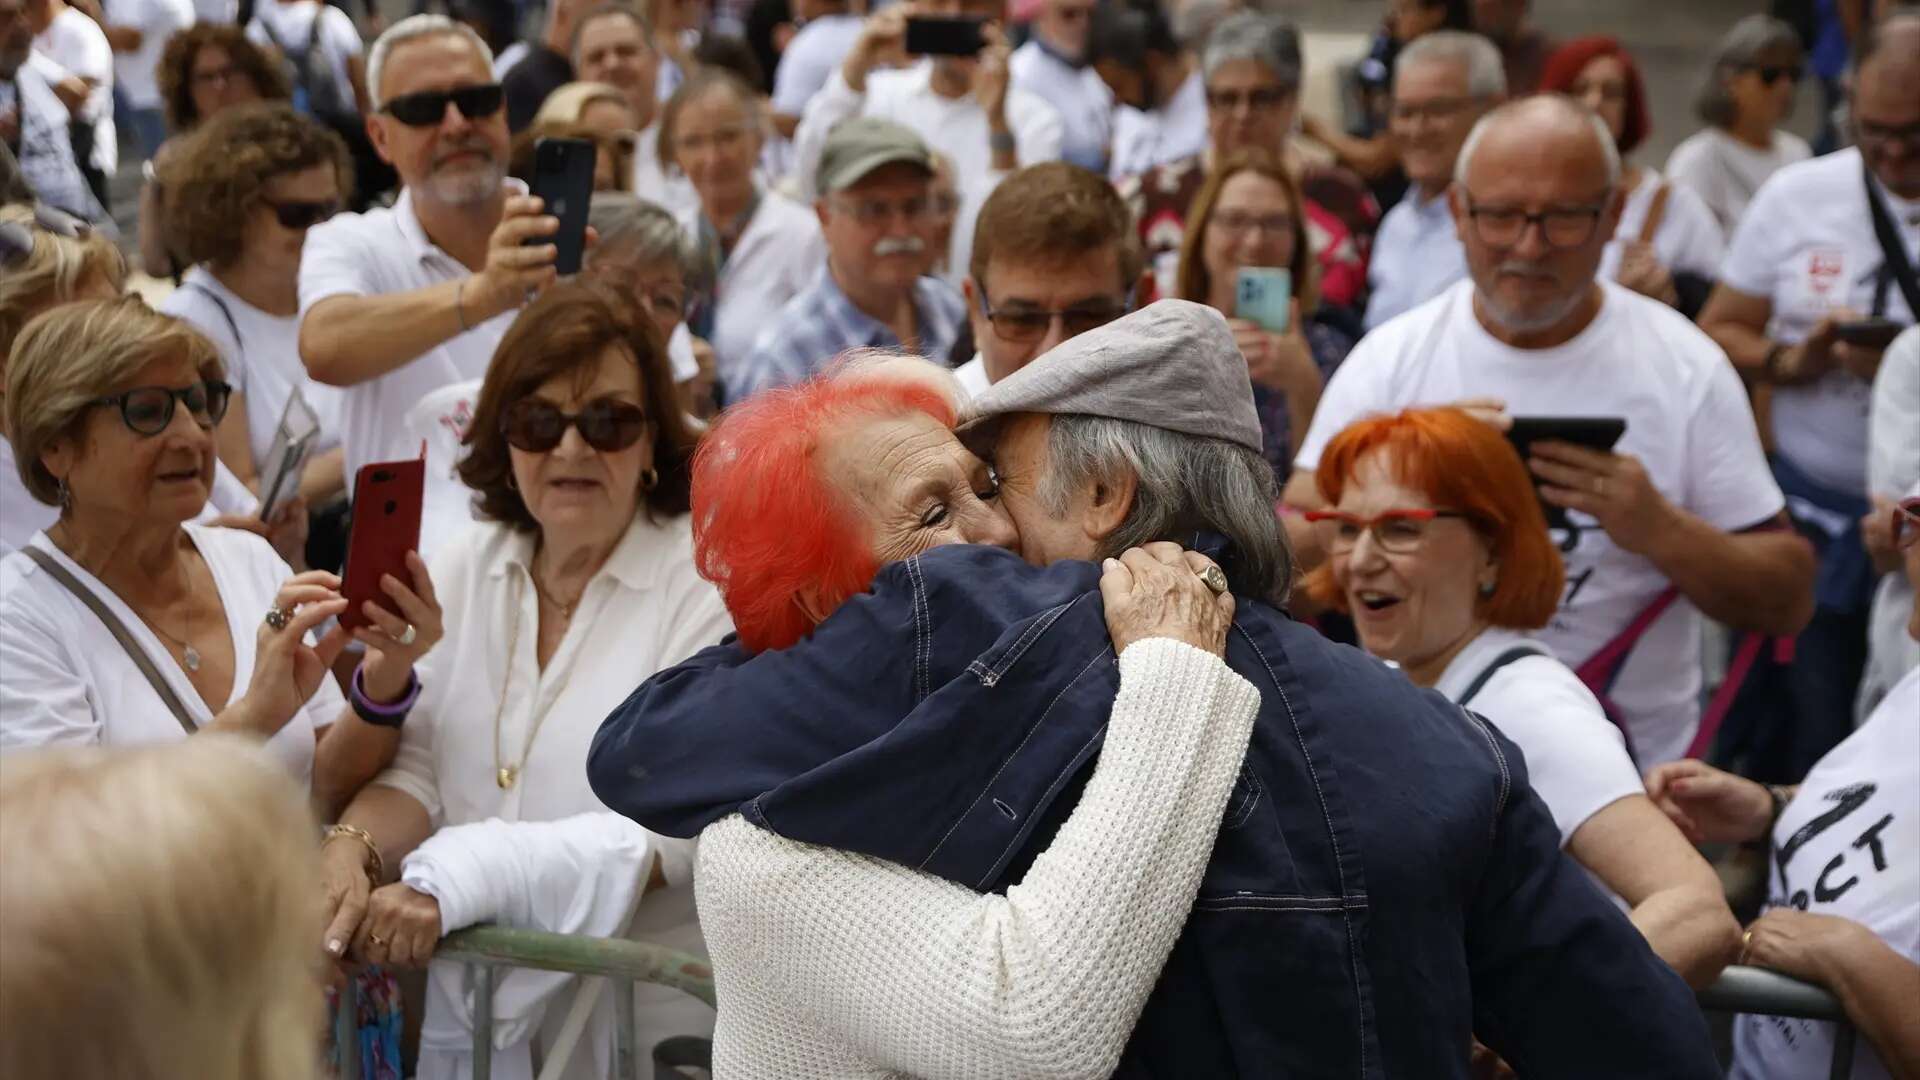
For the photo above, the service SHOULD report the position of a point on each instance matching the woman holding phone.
(1250, 215)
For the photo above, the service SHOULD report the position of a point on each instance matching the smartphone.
(1872, 332)
(386, 525)
(1600, 433)
(944, 37)
(563, 179)
(1264, 295)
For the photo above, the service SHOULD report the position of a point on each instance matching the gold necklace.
(503, 774)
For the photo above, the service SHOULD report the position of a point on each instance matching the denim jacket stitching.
(990, 674)
(923, 646)
(1252, 901)
(1020, 836)
(1500, 759)
(1239, 815)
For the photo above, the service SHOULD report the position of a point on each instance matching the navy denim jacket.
(1384, 884)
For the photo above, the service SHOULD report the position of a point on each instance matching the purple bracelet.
(373, 712)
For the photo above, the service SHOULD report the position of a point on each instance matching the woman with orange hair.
(1439, 550)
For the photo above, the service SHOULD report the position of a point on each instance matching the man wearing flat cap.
(1382, 884)
(874, 292)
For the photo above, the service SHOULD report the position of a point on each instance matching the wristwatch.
(1772, 362)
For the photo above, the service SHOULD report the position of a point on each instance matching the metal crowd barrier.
(1769, 993)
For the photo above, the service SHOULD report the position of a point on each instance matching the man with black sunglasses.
(397, 303)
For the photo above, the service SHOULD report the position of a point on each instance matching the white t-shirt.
(157, 20)
(64, 680)
(809, 60)
(1807, 247)
(79, 47)
(1576, 758)
(1688, 422)
(440, 420)
(1848, 845)
(777, 257)
(381, 252)
(263, 362)
(1688, 239)
(1175, 130)
(1082, 97)
(288, 25)
(1726, 172)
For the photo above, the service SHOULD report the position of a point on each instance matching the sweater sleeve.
(919, 975)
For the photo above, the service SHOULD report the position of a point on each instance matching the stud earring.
(1486, 588)
(649, 478)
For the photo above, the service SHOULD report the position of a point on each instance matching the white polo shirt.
(381, 252)
(1085, 103)
(810, 59)
(775, 259)
(1807, 247)
(1175, 130)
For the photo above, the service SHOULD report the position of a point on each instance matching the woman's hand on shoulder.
(1157, 592)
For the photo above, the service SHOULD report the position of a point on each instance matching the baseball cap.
(858, 146)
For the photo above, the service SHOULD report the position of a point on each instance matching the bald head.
(1886, 102)
(1530, 126)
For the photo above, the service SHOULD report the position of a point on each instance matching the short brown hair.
(563, 333)
(1051, 214)
(176, 69)
(1192, 281)
(217, 176)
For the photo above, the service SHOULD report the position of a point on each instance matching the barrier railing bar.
(346, 1029)
(637, 960)
(1769, 993)
(480, 977)
(626, 1049)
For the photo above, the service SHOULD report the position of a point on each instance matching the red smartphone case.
(386, 525)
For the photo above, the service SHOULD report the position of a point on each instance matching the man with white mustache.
(874, 180)
(1683, 517)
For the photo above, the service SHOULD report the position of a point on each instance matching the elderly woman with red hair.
(1668, 244)
(1439, 549)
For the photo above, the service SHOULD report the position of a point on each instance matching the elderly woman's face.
(1765, 88)
(112, 470)
(915, 485)
(1248, 107)
(716, 142)
(1412, 584)
(575, 486)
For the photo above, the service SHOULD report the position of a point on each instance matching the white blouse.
(481, 685)
(777, 256)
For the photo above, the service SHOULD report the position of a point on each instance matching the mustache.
(899, 245)
(1524, 268)
(470, 146)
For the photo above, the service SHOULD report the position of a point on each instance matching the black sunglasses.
(537, 427)
(429, 107)
(298, 214)
(1772, 73)
(147, 410)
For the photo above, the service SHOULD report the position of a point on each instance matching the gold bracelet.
(378, 870)
(459, 307)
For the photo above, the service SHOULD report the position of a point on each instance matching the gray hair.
(1267, 40)
(1187, 483)
(1750, 39)
(1565, 105)
(634, 231)
(409, 29)
(1472, 53)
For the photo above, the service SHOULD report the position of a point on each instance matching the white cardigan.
(830, 964)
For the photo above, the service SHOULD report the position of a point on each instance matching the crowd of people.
(1027, 550)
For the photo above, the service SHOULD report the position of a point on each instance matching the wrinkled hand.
(388, 661)
(990, 76)
(882, 43)
(1614, 489)
(1708, 805)
(1641, 271)
(1156, 591)
(1803, 945)
(286, 669)
(401, 929)
(515, 269)
(1281, 361)
(344, 874)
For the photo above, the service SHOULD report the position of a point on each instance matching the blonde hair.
(75, 353)
(160, 905)
(567, 104)
(51, 273)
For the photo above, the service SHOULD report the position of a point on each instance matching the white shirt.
(1807, 246)
(1576, 758)
(263, 361)
(646, 610)
(64, 680)
(1688, 422)
(22, 515)
(656, 182)
(1175, 130)
(972, 376)
(45, 148)
(1847, 845)
(1726, 172)
(1687, 241)
(216, 11)
(79, 47)
(288, 25)
(955, 127)
(440, 420)
(157, 20)
(777, 257)
(1081, 96)
(381, 252)
(1416, 256)
(810, 59)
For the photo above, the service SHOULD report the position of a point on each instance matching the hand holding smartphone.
(1264, 295)
(563, 180)
(930, 36)
(387, 496)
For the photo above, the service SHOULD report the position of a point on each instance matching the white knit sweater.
(830, 964)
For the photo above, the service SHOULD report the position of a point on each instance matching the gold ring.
(279, 617)
(1214, 578)
(1746, 945)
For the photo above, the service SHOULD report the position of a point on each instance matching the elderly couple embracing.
(1003, 777)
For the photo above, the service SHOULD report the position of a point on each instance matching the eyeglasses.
(1906, 523)
(1397, 532)
(429, 107)
(148, 410)
(1406, 112)
(219, 76)
(1610, 92)
(1025, 325)
(537, 427)
(1267, 97)
(879, 211)
(1868, 133)
(1238, 223)
(1773, 73)
(1561, 227)
(298, 214)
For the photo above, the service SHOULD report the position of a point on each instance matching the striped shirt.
(821, 323)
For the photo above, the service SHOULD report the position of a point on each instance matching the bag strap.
(1891, 246)
(1479, 683)
(239, 343)
(1656, 213)
(120, 633)
(1604, 666)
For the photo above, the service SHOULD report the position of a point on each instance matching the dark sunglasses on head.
(1773, 73)
(537, 427)
(296, 214)
(148, 410)
(429, 107)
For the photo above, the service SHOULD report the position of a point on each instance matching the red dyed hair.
(1570, 59)
(769, 528)
(1461, 464)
